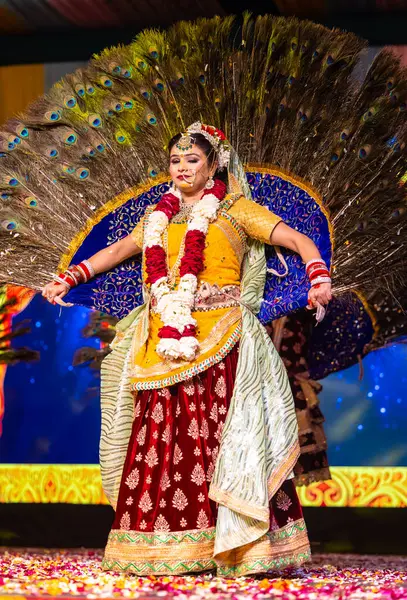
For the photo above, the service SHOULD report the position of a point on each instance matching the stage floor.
(64, 573)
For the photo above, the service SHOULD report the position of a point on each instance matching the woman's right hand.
(54, 292)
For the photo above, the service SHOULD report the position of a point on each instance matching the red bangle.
(318, 280)
(317, 272)
(322, 272)
(76, 274)
(84, 269)
(316, 267)
(67, 277)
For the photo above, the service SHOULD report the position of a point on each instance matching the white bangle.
(319, 280)
(314, 261)
(60, 280)
(90, 268)
(74, 277)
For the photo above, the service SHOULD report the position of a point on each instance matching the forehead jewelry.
(185, 142)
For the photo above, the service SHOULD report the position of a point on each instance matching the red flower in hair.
(208, 129)
(215, 132)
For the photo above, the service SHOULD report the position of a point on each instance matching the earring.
(210, 183)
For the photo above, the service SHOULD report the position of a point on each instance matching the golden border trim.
(166, 553)
(274, 550)
(160, 567)
(277, 479)
(160, 552)
(233, 237)
(195, 369)
(249, 510)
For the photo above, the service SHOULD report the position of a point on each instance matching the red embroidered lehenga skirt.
(165, 521)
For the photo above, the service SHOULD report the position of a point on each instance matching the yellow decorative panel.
(384, 487)
(70, 484)
(380, 487)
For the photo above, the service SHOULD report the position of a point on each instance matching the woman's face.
(190, 170)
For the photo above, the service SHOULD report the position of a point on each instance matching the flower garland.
(178, 334)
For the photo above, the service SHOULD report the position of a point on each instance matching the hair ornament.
(215, 137)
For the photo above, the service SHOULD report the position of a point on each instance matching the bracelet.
(315, 268)
(86, 264)
(317, 272)
(318, 280)
(84, 270)
(69, 280)
(315, 261)
(59, 279)
(76, 274)
(82, 273)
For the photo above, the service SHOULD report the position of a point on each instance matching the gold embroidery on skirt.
(160, 552)
(275, 550)
(163, 553)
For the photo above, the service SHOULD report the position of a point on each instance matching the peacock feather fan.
(283, 90)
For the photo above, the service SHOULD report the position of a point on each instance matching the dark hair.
(203, 144)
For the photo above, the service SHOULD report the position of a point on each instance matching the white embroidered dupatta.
(259, 445)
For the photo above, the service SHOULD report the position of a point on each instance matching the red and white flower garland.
(178, 334)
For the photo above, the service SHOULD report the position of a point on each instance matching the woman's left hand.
(318, 297)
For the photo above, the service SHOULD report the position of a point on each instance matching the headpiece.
(215, 137)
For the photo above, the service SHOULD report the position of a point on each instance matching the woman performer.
(207, 477)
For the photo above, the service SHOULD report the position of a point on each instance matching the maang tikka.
(185, 142)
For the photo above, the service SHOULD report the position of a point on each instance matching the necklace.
(184, 212)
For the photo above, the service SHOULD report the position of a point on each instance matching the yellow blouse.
(217, 308)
